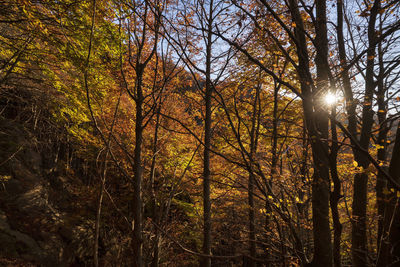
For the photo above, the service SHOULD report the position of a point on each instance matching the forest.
(200, 133)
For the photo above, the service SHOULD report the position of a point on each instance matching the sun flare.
(330, 98)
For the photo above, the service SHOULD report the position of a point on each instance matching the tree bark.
(321, 181)
(206, 262)
(137, 242)
(336, 193)
(389, 249)
(359, 206)
(155, 212)
(381, 183)
(252, 236)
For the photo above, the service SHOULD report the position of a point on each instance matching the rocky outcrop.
(41, 223)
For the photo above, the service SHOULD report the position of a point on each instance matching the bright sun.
(330, 98)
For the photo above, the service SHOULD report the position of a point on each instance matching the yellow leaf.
(385, 191)
(355, 164)
(5, 178)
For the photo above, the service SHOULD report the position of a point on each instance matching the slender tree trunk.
(137, 242)
(156, 217)
(381, 183)
(345, 77)
(252, 236)
(274, 163)
(253, 150)
(207, 144)
(100, 199)
(359, 227)
(98, 218)
(359, 235)
(336, 193)
(304, 172)
(206, 180)
(389, 250)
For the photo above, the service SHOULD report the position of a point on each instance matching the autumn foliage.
(200, 133)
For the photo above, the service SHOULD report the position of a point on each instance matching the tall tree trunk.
(389, 250)
(359, 206)
(206, 262)
(253, 150)
(98, 214)
(137, 242)
(321, 182)
(155, 213)
(394, 233)
(381, 183)
(274, 164)
(345, 77)
(252, 235)
(317, 126)
(336, 193)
